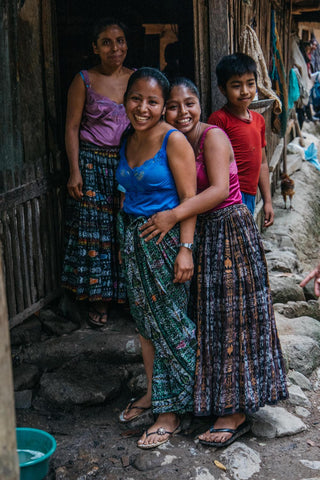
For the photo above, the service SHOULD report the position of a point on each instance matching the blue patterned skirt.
(239, 365)
(159, 308)
(91, 269)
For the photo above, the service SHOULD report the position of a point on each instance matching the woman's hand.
(315, 274)
(74, 185)
(160, 223)
(183, 266)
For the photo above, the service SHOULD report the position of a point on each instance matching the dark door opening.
(152, 25)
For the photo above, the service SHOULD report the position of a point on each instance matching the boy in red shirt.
(237, 76)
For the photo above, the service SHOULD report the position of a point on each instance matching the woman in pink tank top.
(239, 365)
(96, 119)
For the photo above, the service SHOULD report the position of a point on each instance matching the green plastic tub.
(34, 450)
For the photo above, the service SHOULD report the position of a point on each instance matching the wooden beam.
(9, 463)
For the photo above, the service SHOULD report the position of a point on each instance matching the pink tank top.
(203, 182)
(103, 121)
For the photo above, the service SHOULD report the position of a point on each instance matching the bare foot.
(228, 421)
(168, 422)
(131, 412)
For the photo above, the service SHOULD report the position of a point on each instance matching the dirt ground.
(91, 444)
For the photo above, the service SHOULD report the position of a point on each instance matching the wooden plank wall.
(31, 211)
(32, 182)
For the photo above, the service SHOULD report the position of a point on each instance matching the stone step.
(117, 343)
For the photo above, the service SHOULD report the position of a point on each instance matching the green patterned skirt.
(159, 308)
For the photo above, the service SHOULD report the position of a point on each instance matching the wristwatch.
(187, 245)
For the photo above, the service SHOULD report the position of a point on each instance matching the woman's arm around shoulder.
(182, 165)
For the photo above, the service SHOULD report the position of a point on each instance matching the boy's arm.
(264, 186)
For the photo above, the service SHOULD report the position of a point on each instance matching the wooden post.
(9, 464)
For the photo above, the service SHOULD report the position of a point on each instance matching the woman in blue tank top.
(156, 172)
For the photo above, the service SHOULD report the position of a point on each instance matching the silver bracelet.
(187, 245)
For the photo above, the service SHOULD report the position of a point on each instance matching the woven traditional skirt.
(159, 308)
(239, 366)
(91, 269)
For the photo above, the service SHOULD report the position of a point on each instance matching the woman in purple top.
(96, 119)
(239, 365)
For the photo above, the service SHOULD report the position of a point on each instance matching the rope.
(249, 44)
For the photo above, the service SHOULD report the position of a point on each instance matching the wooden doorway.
(151, 26)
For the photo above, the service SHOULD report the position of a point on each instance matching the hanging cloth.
(294, 90)
(249, 44)
(278, 77)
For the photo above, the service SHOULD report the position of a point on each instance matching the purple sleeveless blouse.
(103, 121)
(203, 182)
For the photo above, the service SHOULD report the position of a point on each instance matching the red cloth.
(247, 138)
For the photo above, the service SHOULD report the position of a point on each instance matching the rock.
(297, 397)
(306, 326)
(201, 473)
(23, 399)
(150, 460)
(299, 309)
(313, 465)
(282, 261)
(271, 422)
(302, 412)
(242, 461)
(80, 383)
(54, 324)
(301, 353)
(106, 346)
(284, 289)
(298, 379)
(71, 310)
(26, 333)
(138, 384)
(25, 376)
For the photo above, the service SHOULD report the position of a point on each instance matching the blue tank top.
(149, 188)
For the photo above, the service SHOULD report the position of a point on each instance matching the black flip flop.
(130, 407)
(236, 433)
(96, 324)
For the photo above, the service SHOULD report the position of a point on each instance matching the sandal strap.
(131, 406)
(161, 431)
(227, 430)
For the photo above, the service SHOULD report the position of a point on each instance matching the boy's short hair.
(235, 64)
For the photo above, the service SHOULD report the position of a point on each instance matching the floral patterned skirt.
(159, 308)
(239, 365)
(91, 269)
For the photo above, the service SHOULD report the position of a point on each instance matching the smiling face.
(111, 46)
(183, 109)
(240, 90)
(144, 103)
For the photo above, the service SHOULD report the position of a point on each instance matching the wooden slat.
(37, 252)
(29, 249)
(23, 251)
(35, 188)
(20, 317)
(9, 266)
(45, 242)
(53, 235)
(16, 258)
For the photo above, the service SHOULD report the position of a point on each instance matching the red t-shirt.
(247, 138)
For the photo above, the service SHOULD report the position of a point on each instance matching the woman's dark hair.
(104, 23)
(149, 72)
(235, 64)
(185, 82)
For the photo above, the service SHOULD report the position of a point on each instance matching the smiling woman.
(157, 172)
(96, 119)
